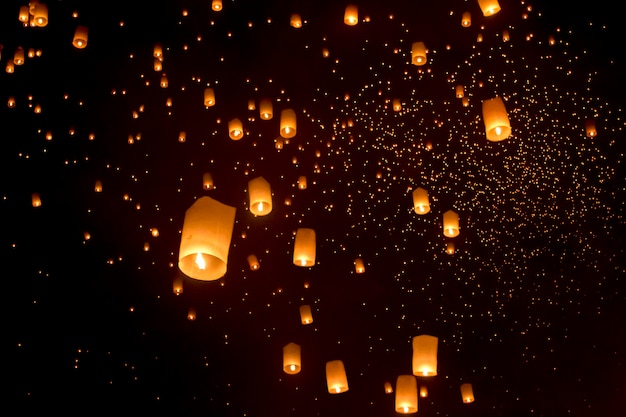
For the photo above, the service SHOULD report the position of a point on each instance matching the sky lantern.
(40, 15)
(506, 36)
(359, 266)
(253, 262)
(10, 68)
(177, 286)
(24, 15)
(98, 186)
(216, 5)
(235, 129)
(465, 101)
(260, 196)
(81, 36)
(18, 56)
(406, 394)
(205, 239)
(304, 247)
(11, 102)
(35, 200)
(302, 182)
(421, 205)
(396, 104)
(388, 388)
(306, 316)
(489, 7)
(336, 378)
(266, 109)
(163, 83)
(157, 51)
(450, 223)
(295, 21)
(251, 104)
(425, 355)
(450, 248)
(207, 181)
(291, 358)
(288, 123)
(351, 15)
(423, 391)
(418, 53)
(157, 65)
(467, 393)
(497, 125)
(209, 97)
(466, 19)
(459, 91)
(590, 128)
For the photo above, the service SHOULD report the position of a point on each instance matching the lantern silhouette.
(423, 391)
(467, 393)
(421, 205)
(489, 7)
(157, 51)
(288, 123)
(40, 15)
(406, 394)
(359, 266)
(24, 15)
(506, 35)
(253, 262)
(590, 128)
(388, 388)
(304, 247)
(497, 125)
(18, 56)
(450, 223)
(418, 53)
(157, 65)
(191, 314)
(266, 109)
(177, 286)
(81, 35)
(466, 19)
(306, 316)
(164, 82)
(295, 21)
(260, 196)
(35, 200)
(336, 379)
(207, 181)
(98, 186)
(351, 15)
(235, 129)
(397, 105)
(450, 248)
(424, 359)
(209, 97)
(205, 240)
(216, 5)
(291, 359)
(302, 182)
(459, 91)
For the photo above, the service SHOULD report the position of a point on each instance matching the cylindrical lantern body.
(80, 37)
(450, 248)
(157, 51)
(205, 240)
(177, 286)
(207, 181)
(164, 83)
(421, 204)
(216, 5)
(288, 123)
(450, 224)
(590, 128)
(425, 355)
(36, 200)
(191, 314)
(304, 247)
(291, 359)
(266, 109)
(396, 104)
(306, 316)
(336, 378)
(260, 196)
(497, 125)
(253, 262)
(459, 91)
(489, 7)
(418, 53)
(466, 19)
(388, 388)
(351, 15)
(295, 21)
(40, 15)
(359, 266)
(423, 391)
(506, 36)
(302, 182)
(235, 129)
(406, 394)
(467, 393)
(19, 56)
(209, 97)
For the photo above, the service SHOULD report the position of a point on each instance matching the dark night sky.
(529, 309)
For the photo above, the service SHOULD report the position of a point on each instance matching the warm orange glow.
(288, 123)
(207, 181)
(36, 200)
(98, 186)
(450, 223)
(497, 125)
(467, 393)
(295, 21)
(302, 182)
(81, 36)
(253, 262)
(466, 19)
(590, 128)
(421, 204)
(406, 394)
(40, 15)
(424, 359)
(397, 105)
(423, 391)
(388, 388)
(459, 91)
(418, 53)
(292, 362)
(359, 266)
(216, 5)
(489, 7)
(260, 195)
(351, 15)
(306, 316)
(304, 247)
(336, 379)
(266, 109)
(235, 129)
(209, 97)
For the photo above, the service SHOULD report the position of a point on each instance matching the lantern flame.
(200, 262)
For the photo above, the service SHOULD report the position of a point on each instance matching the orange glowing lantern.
(450, 224)
(157, 65)
(359, 266)
(450, 248)
(191, 314)
(397, 105)
(10, 68)
(425, 355)
(205, 241)
(177, 286)
(423, 391)
(466, 19)
(288, 123)
(304, 247)
(506, 36)
(216, 5)
(351, 15)
(295, 21)
(465, 101)
(590, 128)
(35, 200)
(406, 394)
(164, 83)
(467, 393)
(98, 186)
(388, 388)
(207, 181)
(209, 97)
(302, 182)
(291, 359)
(489, 7)
(336, 379)
(251, 105)
(81, 36)
(24, 15)
(157, 51)
(253, 262)
(235, 129)
(260, 196)
(459, 91)
(266, 109)
(18, 56)
(40, 15)
(421, 204)
(418, 53)
(497, 125)
(306, 316)
(11, 102)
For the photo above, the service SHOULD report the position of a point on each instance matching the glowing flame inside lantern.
(200, 262)
(260, 206)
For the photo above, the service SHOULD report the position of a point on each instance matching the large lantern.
(40, 15)
(450, 224)
(467, 393)
(351, 15)
(306, 316)
(336, 378)
(466, 19)
(304, 247)
(406, 394)
(497, 125)
(235, 129)
(260, 196)
(418, 53)
(266, 109)
(216, 5)
(291, 359)
(489, 7)
(81, 35)
(302, 182)
(425, 355)
(288, 123)
(205, 240)
(421, 205)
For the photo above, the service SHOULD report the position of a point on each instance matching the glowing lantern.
(423, 391)
(302, 182)
(336, 378)
(24, 15)
(81, 36)
(209, 97)
(421, 205)
(207, 181)
(191, 314)
(590, 128)
(489, 7)
(291, 359)
(35, 200)
(497, 125)
(205, 240)
(182, 136)
(253, 262)
(235, 129)
(18, 56)
(288, 123)
(10, 68)
(466, 19)
(163, 82)
(266, 110)
(40, 15)
(418, 53)
(459, 91)
(465, 101)
(359, 266)
(306, 316)
(158, 65)
(304, 247)
(157, 51)
(296, 21)
(216, 5)
(351, 15)
(506, 36)
(467, 393)
(251, 105)
(279, 143)
(397, 105)
(450, 248)
(425, 355)
(11, 102)
(388, 388)
(177, 286)
(450, 223)
(98, 186)
(406, 394)
(260, 196)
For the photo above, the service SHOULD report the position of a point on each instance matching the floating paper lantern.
(182, 136)
(406, 394)
(157, 51)
(351, 15)
(450, 223)
(216, 5)
(418, 53)
(467, 393)
(260, 196)
(10, 68)
(291, 359)
(207, 181)
(18, 56)
(11, 102)
(35, 200)
(24, 15)
(423, 391)
(465, 101)
(40, 15)
(506, 36)
(336, 378)
(302, 182)
(397, 105)
(304, 247)
(279, 143)
(590, 128)
(288, 123)
(177, 286)
(359, 266)
(306, 316)
(81, 36)
(489, 7)
(450, 248)
(388, 388)
(425, 355)
(421, 205)
(497, 125)
(191, 314)
(266, 109)
(157, 65)
(295, 21)
(459, 91)
(251, 105)
(209, 97)
(253, 262)
(164, 83)
(205, 240)
(98, 186)
(235, 129)
(466, 19)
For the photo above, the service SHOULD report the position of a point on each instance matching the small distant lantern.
(397, 105)
(18, 56)
(209, 97)
(421, 204)
(489, 7)
(11, 102)
(81, 36)
(279, 143)
(465, 101)
(479, 37)
(466, 19)
(288, 123)
(450, 224)
(506, 36)
(164, 83)
(182, 136)
(98, 186)
(551, 40)
(306, 316)
(467, 393)
(406, 394)
(388, 388)
(235, 129)
(205, 241)
(35, 200)
(40, 15)
(253, 262)
(424, 359)
(216, 5)
(251, 105)
(295, 21)
(157, 51)
(191, 314)
(304, 247)
(207, 181)
(450, 248)
(157, 65)
(266, 109)
(177, 286)
(292, 358)
(359, 266)
(351, 15)
(459, 91)
(24, 15)
(10, 68)
(423, 391)
(302, 182)
(260, 196)
(497, 125)
(418, 53)
(336, 378)
(590, 128)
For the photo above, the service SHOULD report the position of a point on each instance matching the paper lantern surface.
(421, 204)
(292, 363)
(489, 7)
(418, 53)
(450, 223)
(467, 393)
(406, 394)
(260, 195)
(336, 379)
(306, 316)
(304, 247)
(425, 355)
(497, 125)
